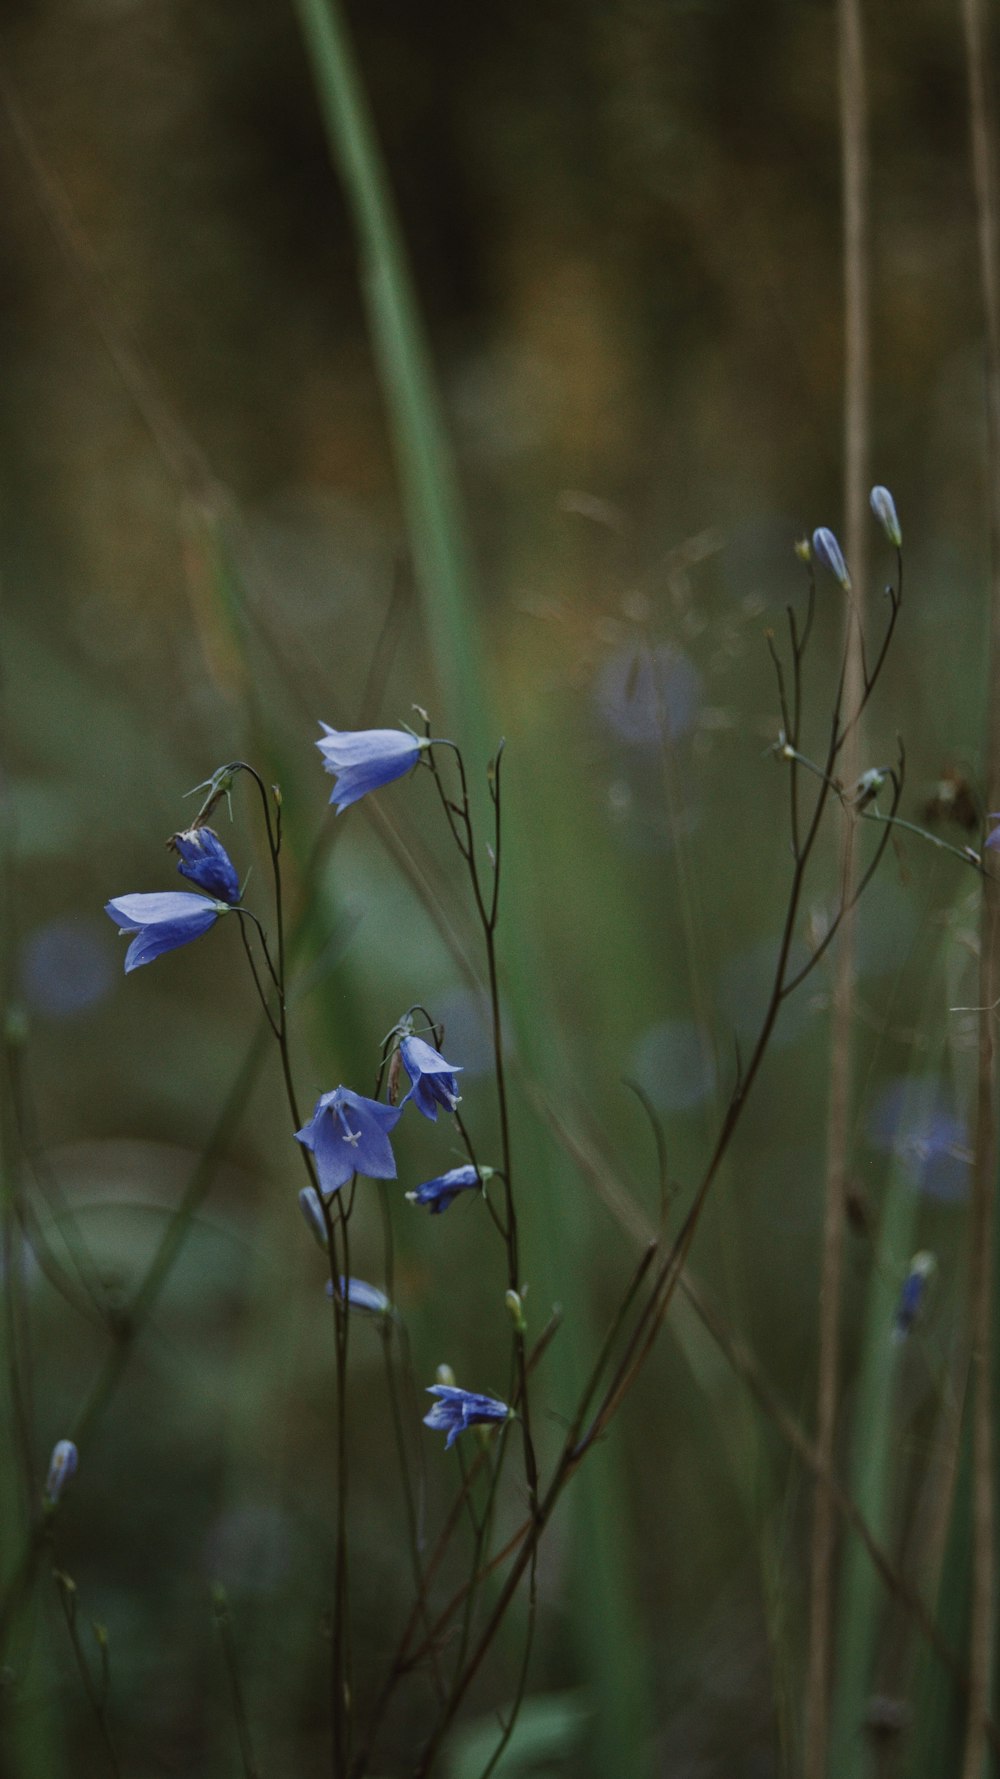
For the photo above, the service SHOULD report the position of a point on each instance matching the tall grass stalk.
(875, 1468)
(854, 176)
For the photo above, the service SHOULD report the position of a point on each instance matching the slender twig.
(220, 1607)
(97, 1696)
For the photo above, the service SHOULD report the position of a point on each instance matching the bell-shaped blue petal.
(457, 1409)
(348, 1134)
(162, 921)
(438, 1194)
(363, 759)
(204, 859)
(361, 1296)
(433, 1079)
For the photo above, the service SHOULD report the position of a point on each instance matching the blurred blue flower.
(163, 921)
(349, 1134)
(361, 1296)
(66, 966)
(827, 551)
(648, 695)
(457, 1409)
(914, 1120)
(363, 759)
(433, 1079)
(62, 1469)
(440, 1192)
(884, 508)
(672, 1062)
(204, 859)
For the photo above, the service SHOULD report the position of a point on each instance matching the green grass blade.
(424, 458)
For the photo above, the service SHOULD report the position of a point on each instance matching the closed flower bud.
(803, 550)
(62, 1468)
(204, 860)
(884, 508)
(312, 1211)
(444, 1375)
(515, 1310)
(869, 785)
(361, 1296)
(827, 551)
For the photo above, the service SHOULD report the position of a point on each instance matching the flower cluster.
(348, 1134)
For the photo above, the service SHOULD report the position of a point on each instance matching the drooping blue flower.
(363, 759)
(884, 508)
(62, 1469)
(204, 859)
(162, 921)
(827, 550)
(457, 1409)
(361, 1296)
(433, 1079)
(440, 1193)
(349, 1134)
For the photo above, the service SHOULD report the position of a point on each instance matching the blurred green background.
(623, 224)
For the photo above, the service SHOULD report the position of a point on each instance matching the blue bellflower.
(162, 922)
(204, 859)
(361, 1296)
(62, 1469)
(457, 1409)
(433, 1079)
(827, 550)
(440, 1193)
(363, 759)
(347, 1135)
